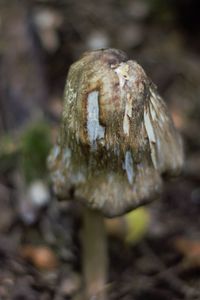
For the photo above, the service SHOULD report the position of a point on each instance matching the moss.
(35, 146)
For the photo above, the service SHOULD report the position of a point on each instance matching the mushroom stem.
(95, 260)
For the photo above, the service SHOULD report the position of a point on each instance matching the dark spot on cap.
(109, 56)
(114, 56)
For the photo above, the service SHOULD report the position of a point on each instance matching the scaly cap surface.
(116, 137)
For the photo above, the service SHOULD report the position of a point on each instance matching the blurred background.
(157, 257)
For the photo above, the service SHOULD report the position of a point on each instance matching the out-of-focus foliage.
(132, 227)
(162, 10)
(28, 151)
(137, 225)
(35, 145)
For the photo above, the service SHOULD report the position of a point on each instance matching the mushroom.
(116, 140)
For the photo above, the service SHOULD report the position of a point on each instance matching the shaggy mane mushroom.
(116, 140)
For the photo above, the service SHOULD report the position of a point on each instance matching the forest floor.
(40, 252)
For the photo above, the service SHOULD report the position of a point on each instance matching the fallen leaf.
(41, 257)
(190, 249)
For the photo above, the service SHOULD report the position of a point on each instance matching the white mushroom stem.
(95, 262)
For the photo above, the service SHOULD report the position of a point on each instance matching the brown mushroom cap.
(117, 137)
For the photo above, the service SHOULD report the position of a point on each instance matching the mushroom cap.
(116, 138)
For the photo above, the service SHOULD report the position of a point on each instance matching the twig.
(168, 275)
